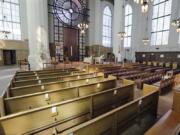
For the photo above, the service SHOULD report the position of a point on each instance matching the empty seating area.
(65, 98)
(169, 124)
(90, 67)
(72, 101)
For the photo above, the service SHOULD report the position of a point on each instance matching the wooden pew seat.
(167, 125)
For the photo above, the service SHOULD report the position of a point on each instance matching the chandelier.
(121, 35)
(83, 26)
(144, 4)
(145, 41)
(176, 22)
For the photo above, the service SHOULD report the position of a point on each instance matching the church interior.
(89, 67)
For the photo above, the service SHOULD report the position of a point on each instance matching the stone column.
(118, 27)
(37, 14)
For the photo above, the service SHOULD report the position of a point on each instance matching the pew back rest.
(46, 116)
(117, 118)
(21, 103)
(176, 101)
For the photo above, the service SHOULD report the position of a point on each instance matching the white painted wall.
(23, 17)
(96, 15)
(138, 27)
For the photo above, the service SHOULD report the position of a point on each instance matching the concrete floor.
(6, 74)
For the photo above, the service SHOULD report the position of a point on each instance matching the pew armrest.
(167, 125)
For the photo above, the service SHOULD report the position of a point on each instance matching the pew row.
(41, 76)
(52, 79)
(25, 73)
(18, 91)
(35, 100)
(169, 124)
(120, 119)
(65, 114)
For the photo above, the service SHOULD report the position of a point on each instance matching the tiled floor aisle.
(6, 74)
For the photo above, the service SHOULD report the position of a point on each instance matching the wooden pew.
(148, 80)
(51, 79)
(37, 76)
(169, 124)
(65, 114)
(18, 91)
(24, 73)
(27, 102)
(135, 76)
(120, 74)
(118, 120)
(165, 85)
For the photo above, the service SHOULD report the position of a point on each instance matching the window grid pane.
(128, 26)
(107, 27)
(160, 22)
(10, 19)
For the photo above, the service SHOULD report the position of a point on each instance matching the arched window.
(10, 19)
(161, 22)
(128, 26)
(107, 27)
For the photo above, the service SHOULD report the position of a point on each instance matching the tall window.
(10, 19)
(107, 27)
(161, 22)
(128, 26)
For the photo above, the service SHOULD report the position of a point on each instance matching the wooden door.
(71, 49)
(9, 57)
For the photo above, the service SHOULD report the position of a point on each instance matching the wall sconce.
(54, 111)
(46, 96)
(42, 87)
(78, 77)
(115, 92)
(37, 77)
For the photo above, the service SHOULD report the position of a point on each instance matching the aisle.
(6, 74)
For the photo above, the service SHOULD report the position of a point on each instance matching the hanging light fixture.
(83, 26)
(146, 39)
(121, 35)
(144, 4)
(178, 28)
(176, 22)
